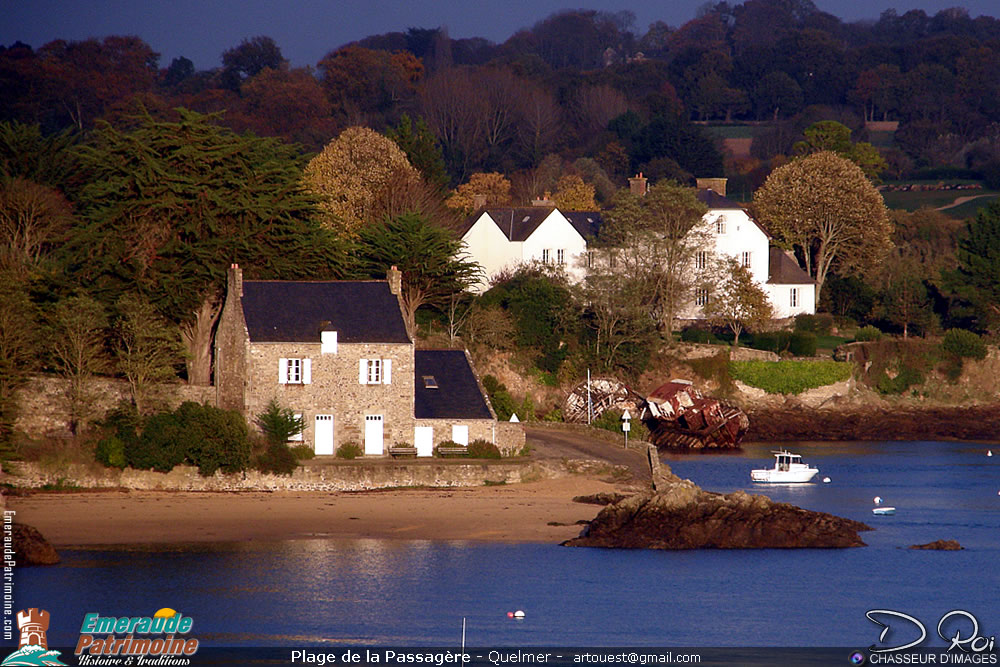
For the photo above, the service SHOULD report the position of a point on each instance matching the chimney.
(716, 185)
(637, 185)
(478, 202)
(543, 201)
(234, 281)
(395, 278)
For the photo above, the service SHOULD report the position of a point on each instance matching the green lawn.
(970, 208)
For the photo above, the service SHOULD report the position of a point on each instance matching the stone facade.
(335, 389)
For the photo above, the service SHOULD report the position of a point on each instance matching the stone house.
(337, 353)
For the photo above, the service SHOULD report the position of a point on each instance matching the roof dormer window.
(430, 382)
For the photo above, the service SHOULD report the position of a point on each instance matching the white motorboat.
(788, 469)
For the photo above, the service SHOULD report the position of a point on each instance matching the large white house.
(501, 239)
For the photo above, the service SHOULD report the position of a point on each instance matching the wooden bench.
(403, 452)
(453, 451)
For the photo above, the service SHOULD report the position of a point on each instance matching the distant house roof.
(783, 270)
(279, 311)
(586, 223)
(457, 395)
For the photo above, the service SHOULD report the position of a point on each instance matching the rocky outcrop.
(30, 548)
(939, 545)
(680, 515)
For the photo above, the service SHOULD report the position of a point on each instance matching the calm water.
(383, 592)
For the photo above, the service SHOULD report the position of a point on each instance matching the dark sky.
(306, 30)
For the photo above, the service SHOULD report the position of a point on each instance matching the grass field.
(913, 200)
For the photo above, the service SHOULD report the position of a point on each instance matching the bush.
(349, 450)
(802, 344)
(277, 459)
(696, 335)
(279, 424)
(161, 445)
(964, 344)
(500, 398)
(820, 324)
(789, 377)
(906, 378)
(302, 452)
(481, 449)
(111, 452)
(611, 420)
(772, 341)
(867, 334)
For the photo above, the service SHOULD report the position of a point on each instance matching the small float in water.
(881, 510)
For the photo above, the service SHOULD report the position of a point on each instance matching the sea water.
(330, 592)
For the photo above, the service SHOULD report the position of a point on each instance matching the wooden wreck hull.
(678, 416)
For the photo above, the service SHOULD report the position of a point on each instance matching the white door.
(423, 440)
(373, 435)
(323, 432)
(460, 435)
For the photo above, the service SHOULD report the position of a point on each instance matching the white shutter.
(307, 376)
(363, 371)
(282, 371)
(386, 371)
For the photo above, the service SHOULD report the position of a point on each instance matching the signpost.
(626, 426)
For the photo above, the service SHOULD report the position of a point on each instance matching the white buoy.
(989, 452)
(878, 500)
(518, 614)
(826, 480)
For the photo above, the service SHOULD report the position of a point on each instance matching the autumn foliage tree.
(350, 175)
(824, 207)
(738, 302)
(491, 189)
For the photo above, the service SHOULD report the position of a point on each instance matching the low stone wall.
(44, 408)
(314, 476)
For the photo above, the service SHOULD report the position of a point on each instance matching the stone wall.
(509, 438)
(44, 408)
(325, 476)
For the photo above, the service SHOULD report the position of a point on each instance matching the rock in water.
(30, 548)
(940, 545)
(683, 516)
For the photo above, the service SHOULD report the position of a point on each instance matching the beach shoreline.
(539, 512)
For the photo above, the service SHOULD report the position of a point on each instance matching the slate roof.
(783, 270)
(586, 223)
(458, 395)
(279, 311)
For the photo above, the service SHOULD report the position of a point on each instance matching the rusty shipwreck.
(678, 416)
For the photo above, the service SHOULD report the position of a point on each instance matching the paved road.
(560, 443)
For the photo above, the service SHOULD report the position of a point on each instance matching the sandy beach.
(506, 513)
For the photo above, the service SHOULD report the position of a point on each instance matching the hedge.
(789, 377)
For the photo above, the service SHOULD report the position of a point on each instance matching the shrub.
(820, 324)
(906, 378)
(963, 344)
(161, 445)
(696, 335)
(802, 343)
(867, 334)
(302, 452)
(716, 369)
(789, 377)
(279, 424)
(500, 398)
(277, 459)
(481, 449)
(111, 452)
(772, 341)
(553, 415)
(611, 420)
(349, 450)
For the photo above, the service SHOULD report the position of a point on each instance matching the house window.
(701, 297)
(720, 225)
(375, 371)
(793, 297)
(430, 382)
(560, 256)
(294, 371)
(701, 260)
(745, 259)
(545, 256)
(590, 259)
(612, 260)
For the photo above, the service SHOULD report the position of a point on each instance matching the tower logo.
(33, 648)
